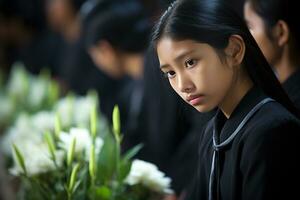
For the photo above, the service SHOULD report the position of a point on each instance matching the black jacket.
(261, 163)
(292, 88)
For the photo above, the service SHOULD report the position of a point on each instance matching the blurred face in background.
(60, 13)
(115, 62)
(258, 29)
(107, 59)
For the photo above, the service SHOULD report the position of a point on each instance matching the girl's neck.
(285, 68)
(287, 64)
(235, 94)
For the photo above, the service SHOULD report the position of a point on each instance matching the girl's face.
(258, 29)
(196, 72)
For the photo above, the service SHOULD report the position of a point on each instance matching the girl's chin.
(204, 108)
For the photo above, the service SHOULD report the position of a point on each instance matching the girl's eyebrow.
(183, 54)
(179, 57)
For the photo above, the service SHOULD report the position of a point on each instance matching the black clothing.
(292, 88)
(262, 160)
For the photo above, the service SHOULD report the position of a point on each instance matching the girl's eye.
(190, 63)
(169, 74)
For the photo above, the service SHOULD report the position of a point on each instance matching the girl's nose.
(185, 85)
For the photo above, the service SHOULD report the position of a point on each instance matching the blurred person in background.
(117, 39)
(275, 28)
(74, 66)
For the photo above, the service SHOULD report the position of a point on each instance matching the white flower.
(147, 174)
(43, 121)
(75, 111)
(37, 159)
(83, 141)
(6, 107)
(20, 133)
(18, 81)
(37, 93)
(82, 110)
(64, 109)
(27, 128)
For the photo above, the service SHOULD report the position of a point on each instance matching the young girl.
(277, 32)
(249, 149)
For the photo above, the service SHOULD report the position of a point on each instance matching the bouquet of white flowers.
(62, 149)
(85, 163)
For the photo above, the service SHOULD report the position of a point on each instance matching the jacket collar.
(225, 127)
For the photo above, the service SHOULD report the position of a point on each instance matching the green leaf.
(53, 89)
(76, 186)
(20, 158)
(71, 152)
(92, 163)
(125, 166)
(106, 161)
(125, 163)
(57, 125)
(51, 145)
(116, 123)
(94, 121)
(132, 152)
(73, 177)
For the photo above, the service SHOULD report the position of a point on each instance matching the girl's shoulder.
(272, 120)
(273, 114)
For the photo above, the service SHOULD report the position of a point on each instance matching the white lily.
(148, 175)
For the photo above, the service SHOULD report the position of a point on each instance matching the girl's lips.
(195, 99)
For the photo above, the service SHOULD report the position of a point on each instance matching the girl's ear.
(235, 50)
(281, 33)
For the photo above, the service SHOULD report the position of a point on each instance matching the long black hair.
(213, 22)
